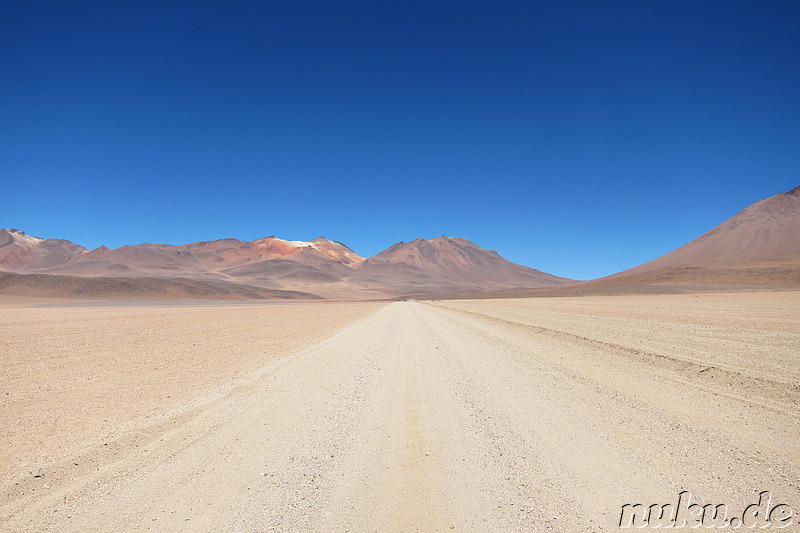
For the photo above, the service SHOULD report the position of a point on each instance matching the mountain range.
(318, 268)
(758, 247)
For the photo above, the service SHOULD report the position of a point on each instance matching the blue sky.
(580, 138)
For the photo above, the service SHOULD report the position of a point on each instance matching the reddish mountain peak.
(20, 251)
(449, 262)
(443, 246)
(20, 237)
(336, 250)
(15, 230)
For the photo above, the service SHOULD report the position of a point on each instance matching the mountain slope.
(444, 264)
(19, 251)
(766, 229)
(758, 248)
(61, 286)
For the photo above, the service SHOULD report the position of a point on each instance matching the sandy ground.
(492, 415)
(74, 372)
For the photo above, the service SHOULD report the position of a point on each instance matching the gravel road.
(454, 416)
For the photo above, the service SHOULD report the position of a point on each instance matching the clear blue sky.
(580, 138)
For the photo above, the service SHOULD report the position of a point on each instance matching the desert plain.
(543, 414)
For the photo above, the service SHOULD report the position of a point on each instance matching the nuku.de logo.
(692, 515)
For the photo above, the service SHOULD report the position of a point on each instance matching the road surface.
(448, 416)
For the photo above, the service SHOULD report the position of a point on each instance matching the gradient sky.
(580, 138)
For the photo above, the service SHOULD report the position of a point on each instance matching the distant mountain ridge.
(319, 267)
(757, 248)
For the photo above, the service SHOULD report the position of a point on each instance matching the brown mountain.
(20, 251)
(206, 259)
(319, 267)
(765, 230)
(446, 264)
(758, 248)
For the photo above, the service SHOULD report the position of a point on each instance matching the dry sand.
(76, 374)
(490, 415)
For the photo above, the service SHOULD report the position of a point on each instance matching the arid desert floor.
(509, 415)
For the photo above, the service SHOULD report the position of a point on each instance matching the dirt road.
(460, 416)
